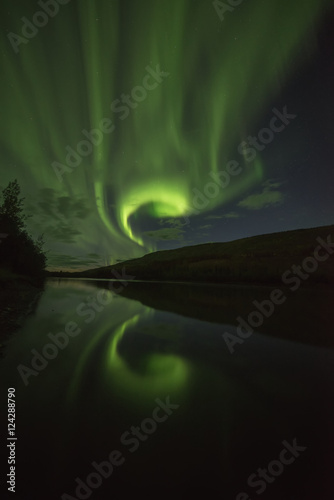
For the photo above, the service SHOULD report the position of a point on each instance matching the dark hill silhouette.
(258, 259)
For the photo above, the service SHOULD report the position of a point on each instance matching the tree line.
(20, 253)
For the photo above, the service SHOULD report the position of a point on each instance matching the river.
(115, 397)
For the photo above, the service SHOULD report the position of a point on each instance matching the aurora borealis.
(163, 92)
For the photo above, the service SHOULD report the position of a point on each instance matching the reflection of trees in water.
(224, 304)
(19, 299)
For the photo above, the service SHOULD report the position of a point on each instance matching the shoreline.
(320, 285)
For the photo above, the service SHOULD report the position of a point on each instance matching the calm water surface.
(161, 388)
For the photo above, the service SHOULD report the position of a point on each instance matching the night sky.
(138, 125)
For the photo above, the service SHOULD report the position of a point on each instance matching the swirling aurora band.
(78, 70)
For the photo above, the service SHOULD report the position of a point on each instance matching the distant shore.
(302, 257)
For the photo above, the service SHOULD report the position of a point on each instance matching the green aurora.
(159, 145)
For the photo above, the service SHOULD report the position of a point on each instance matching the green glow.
(163, 373)
(166, 201)
(221, 77)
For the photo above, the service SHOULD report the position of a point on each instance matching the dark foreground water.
(136, 401)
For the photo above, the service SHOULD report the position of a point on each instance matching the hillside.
(257, 259)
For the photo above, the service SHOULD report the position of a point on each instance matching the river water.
(116, 398)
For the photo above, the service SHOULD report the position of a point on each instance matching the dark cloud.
(165, 234)
(268, 197)
(68, 261)
(57, 217)
(175, 223)
(229, 215)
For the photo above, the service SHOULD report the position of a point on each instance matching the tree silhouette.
(11, 209)
(18, 251)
